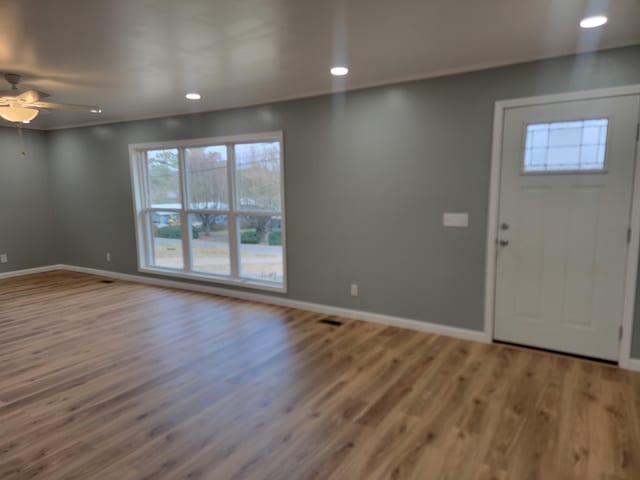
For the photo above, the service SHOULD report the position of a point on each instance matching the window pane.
(567, 158)
(210, 244)
(591, 156)
(261, 248)
(164, 178)
(258, 176)
(166, 233)
(565, 134)
(591, 136)
(536, 159)
(207, 182)
(566, 146)
(539, 138)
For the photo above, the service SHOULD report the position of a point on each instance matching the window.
(212, 209)
(566, 146)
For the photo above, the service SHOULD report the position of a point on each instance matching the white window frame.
(144, 239)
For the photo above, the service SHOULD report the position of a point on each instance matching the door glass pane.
(566, 146)
(258, 176)
(207, 183)
(164, 178)
(210, 244)
(166, 231)
(261, 247)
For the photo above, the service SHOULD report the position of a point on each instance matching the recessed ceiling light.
(339, 71)
(193, 96)
(96, 110)
(593, 22)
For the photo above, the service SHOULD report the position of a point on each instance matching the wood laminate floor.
(129, 382)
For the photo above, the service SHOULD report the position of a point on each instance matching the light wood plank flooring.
(129, 382)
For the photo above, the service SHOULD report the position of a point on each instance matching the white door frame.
(501, 106)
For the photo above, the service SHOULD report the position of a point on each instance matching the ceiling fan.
(22, 106)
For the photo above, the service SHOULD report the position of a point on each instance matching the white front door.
(564, 214)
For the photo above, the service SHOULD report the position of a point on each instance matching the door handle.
(503, 242)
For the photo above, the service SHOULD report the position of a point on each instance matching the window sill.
(246, 283)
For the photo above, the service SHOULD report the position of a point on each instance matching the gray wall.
(26, 210)
(368, 176)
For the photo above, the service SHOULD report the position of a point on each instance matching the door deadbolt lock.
(504, 226)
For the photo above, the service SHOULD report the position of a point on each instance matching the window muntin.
(212, 209)
(568, 146)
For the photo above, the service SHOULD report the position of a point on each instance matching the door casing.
(624, 358)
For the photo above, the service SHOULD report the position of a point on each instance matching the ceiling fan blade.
(66, 106)
(31, 96)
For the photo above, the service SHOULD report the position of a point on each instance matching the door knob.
(503, 242)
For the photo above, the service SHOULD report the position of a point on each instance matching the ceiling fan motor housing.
(13, 79)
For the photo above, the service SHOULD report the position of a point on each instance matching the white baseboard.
(634, 364)
(411, 324)
(30, 271)
(455, 332)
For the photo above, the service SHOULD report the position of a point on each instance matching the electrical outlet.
(3, 258)
(354, 289)
(108, 256)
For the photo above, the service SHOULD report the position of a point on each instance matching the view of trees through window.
(215, 210)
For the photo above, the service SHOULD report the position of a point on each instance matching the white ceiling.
(137, 58)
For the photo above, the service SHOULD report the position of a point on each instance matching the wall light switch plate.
(455, 220)
(3, 258)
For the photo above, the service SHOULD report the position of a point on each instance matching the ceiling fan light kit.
(18, 114)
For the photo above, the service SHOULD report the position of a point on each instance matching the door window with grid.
(578, 145)
(212, 209)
